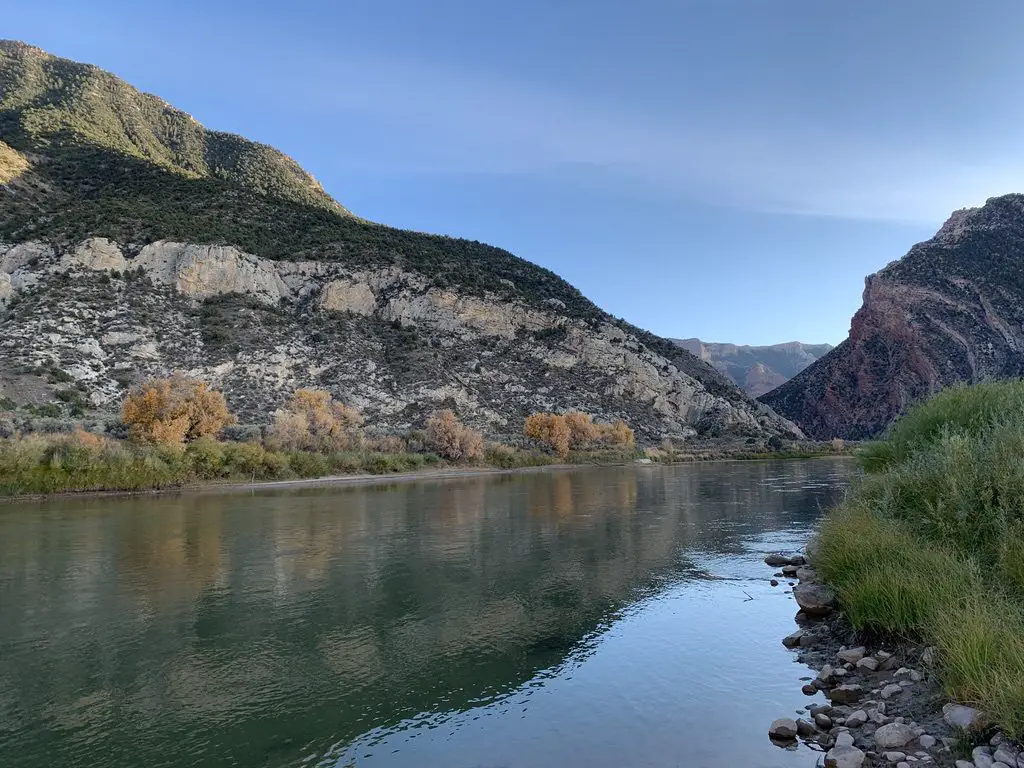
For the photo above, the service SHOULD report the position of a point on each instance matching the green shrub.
(959, 409)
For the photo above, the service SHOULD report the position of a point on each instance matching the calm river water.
(615, 617)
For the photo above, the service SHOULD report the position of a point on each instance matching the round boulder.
(783, 728)
(814, 599)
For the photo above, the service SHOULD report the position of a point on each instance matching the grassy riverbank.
(930, 544)
(82, 462)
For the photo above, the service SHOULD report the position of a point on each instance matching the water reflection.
(270, 628)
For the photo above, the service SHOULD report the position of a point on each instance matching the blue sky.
(729, 169)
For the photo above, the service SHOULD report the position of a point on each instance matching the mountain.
(135, 242)
(951, 310)
(756, 369)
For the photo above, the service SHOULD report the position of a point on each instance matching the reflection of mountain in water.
(265, 628)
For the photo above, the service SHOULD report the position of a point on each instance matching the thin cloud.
(453, 122)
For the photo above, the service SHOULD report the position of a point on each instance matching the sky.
(727, 169)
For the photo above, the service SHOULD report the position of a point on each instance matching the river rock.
(783, 728)
(852, 655)
(843, 738)
(822, 720)
(893, 735)
(927, 741)
(965, 718)
(982, 757)
(891, 690)
(1005, 753)
(806, 574)
(905, 673)
(857, 719)
(964, 764)
(868, 663)
(845, 694)
(814, 599)
(998, 764)
(844, 757)
(776, 559)
(793, 640)
(774, 582)
(894, 757)
(805, 728)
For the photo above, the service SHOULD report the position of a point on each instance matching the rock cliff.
(386, 340)
(756, 369)
(951, 310)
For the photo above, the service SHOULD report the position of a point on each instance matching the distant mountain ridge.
(756, 369)
(951, 310)
(135, 242)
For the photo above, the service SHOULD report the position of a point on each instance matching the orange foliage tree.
(582, 429)
(450, 439)
(550, 431)
(618, 433)
(315, 421)
(175, 410)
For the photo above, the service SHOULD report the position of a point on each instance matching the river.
(594, 617)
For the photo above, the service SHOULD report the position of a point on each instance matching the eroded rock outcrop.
(951, 310)
(386, 340)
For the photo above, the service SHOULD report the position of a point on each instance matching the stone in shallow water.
(776, 559)
(793, 640)
(783, 728)
(805, 729)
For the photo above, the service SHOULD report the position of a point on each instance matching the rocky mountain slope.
(135, 242)
(951, 310)
(756, 369)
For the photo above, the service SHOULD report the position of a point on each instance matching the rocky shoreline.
(882, 704)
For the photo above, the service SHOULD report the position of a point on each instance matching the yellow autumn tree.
(451, 439)
(315, 421)
(175, 410)
(618, 433)
(582, 429)
(550, 431)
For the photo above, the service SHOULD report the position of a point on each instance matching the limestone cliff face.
(951, 310)
(385, 339)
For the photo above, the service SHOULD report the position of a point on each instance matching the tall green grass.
(930, 544)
